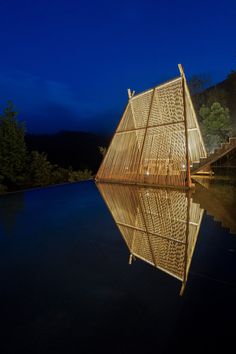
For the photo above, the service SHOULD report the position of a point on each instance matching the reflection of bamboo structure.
(150, 143)
(159, 226)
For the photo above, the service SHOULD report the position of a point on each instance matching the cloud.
(49, 106)
(37, 97)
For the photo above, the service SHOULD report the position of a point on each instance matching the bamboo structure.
(157, 139)
(159, 225)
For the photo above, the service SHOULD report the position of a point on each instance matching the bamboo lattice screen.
(159, 226)
(150, 143)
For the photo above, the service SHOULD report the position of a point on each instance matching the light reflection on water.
(218, 197)
(160, 226)
(67, 287)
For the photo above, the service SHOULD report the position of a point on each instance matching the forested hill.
(224, 92)
(70, 148)
(229, 87)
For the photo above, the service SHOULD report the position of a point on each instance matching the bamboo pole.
(186, 245)
(188, 177)
(196, 120)
(145, 133)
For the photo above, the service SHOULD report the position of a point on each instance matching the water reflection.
(10, 207)
(159, 226)
(218, 198)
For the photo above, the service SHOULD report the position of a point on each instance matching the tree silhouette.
(12, 146)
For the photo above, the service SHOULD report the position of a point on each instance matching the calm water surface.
(67, 286)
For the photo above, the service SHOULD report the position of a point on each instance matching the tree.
(79, 175)
(12, 146)
(216, 94)
(216, 124)
(232, 75)
(102, 150)
(59, 174)
(40, 169)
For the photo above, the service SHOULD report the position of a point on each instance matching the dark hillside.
(229, 86)
(66, 148)
(223, 92)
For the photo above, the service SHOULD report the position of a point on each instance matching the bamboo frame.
(157, 138)
(188, 175)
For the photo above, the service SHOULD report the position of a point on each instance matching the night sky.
(67, 64)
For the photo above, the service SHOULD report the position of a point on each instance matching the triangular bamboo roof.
(157, 139)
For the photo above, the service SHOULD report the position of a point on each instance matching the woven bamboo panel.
(195, 142)
(127, 121)
(167, 105)
(163, 160)
(150, 143)
(137, 113)
(123, 157)
(159, 225)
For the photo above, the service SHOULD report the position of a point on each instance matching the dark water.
(67, 287)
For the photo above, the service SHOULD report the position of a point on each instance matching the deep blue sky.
(66, 64)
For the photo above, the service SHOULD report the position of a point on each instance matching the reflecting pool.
(118, 269)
